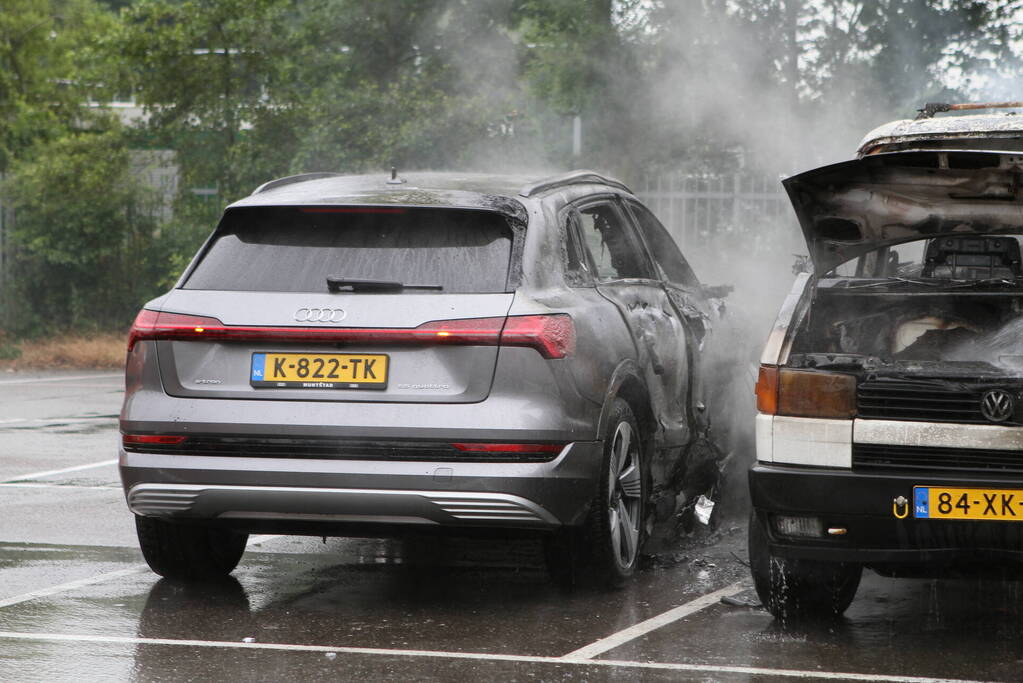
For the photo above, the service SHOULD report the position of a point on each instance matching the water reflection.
(448, 594)
(933, 627)
(174, 609)
(183, 611)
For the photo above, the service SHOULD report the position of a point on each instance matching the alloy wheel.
(625, 490)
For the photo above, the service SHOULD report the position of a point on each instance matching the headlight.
(806, 393)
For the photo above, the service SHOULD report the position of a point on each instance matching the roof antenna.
(395, 180)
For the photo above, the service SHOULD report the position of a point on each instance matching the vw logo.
(997, 405)
(320, 315)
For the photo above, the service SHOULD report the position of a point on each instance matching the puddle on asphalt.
(941, 628)
(423, 593)
(57, 427)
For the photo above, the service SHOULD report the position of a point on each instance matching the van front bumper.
(863, 504)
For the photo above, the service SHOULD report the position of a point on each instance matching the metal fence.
(700, 210)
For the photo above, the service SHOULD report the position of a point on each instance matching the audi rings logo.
(320, 315)
(997, 405)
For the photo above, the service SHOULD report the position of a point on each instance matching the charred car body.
(890, 396)
(364, 356)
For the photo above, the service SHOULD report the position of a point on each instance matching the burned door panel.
(687, 298)
(598, 324)
(626, 277)
(684, 289)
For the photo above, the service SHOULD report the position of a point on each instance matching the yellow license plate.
(319, 370)
(937, 502)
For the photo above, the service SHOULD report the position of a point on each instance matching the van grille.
(332, 449)
(926, 401)
(886, 457)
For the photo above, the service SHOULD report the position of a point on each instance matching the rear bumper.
(325, 496)
(863, 504)
(522, 417)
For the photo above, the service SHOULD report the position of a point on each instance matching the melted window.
(611, 245)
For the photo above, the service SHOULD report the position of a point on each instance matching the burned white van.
(890, 394)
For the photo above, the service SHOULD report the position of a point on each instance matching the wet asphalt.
(77, 602)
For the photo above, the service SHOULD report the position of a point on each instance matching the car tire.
(606, 547)
(793, 589)
(186, 552)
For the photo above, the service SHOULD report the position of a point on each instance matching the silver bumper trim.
(938, 434)
(343, 505)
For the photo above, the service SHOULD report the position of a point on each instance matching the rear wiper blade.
(337, 284)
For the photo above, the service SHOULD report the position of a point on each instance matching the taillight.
(806, 393)
(134, 365)
(351, 209)
(552, 335)
(153, 325)
(476, 331)
(152, 439)
(509, 447)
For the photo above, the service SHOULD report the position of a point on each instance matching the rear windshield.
(296, 249)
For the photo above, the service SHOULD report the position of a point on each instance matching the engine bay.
(969, 332)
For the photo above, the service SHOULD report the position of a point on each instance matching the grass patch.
(81, 351)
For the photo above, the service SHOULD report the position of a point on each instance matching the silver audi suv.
(372, 355)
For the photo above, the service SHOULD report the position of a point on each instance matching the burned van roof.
(997, 132)
(853, 207)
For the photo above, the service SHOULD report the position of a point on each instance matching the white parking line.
(71, 585)
(64, 470)
(100, 578)
(653, 623)
(48, 485)
(59, 420)
(33, 380)
(481, 656)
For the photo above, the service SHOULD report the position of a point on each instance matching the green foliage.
(409, 83)
(83, 235)
(47, 65)
(246, 90)
(206, 71)
(8, 349)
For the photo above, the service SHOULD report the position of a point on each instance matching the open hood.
(851, 208)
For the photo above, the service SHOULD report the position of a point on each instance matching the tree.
(208, 72)
(48, 69)
(84, 234)
(416, 84)
(583, 59)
